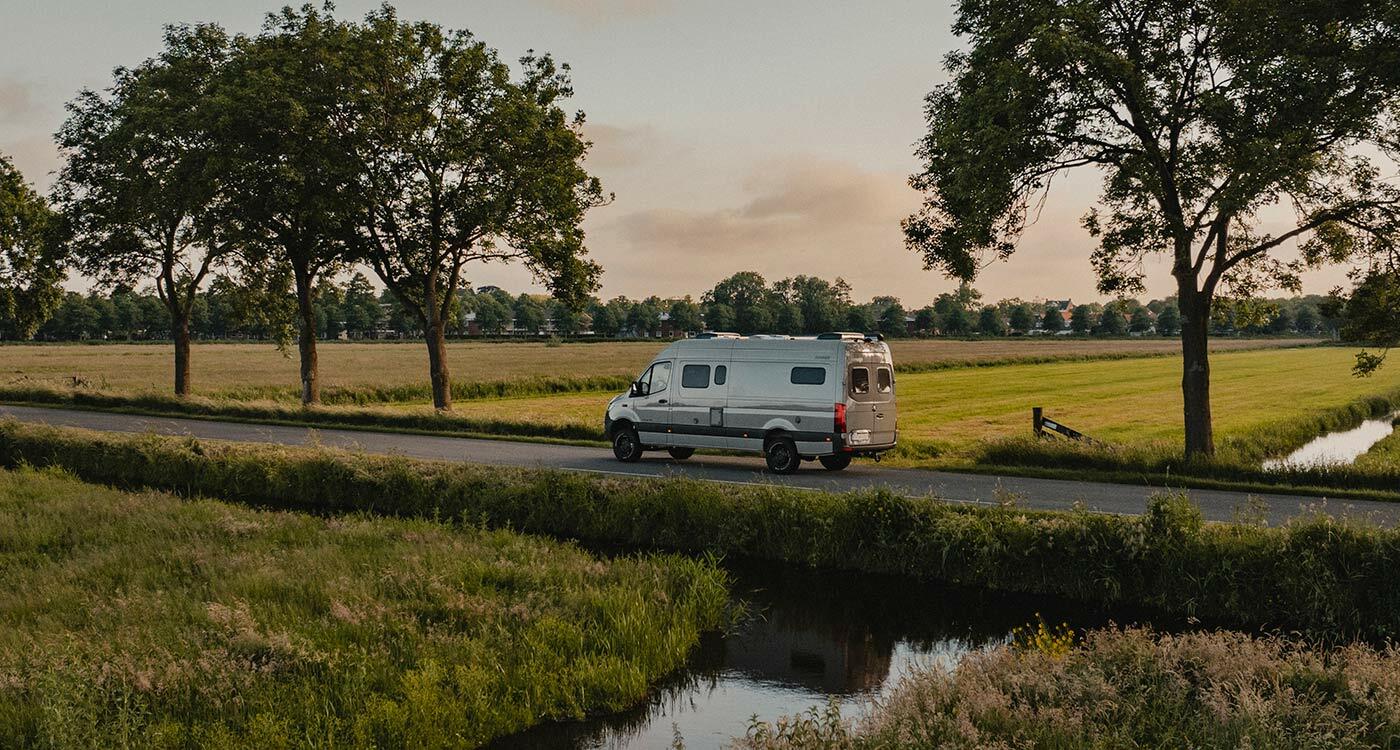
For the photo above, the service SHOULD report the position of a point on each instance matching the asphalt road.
(966, 488)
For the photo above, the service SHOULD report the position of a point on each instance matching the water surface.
(811, 638)
(1337, 448)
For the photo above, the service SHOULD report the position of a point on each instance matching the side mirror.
(636, 389)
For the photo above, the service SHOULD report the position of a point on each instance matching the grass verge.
(145, 618)
(1127, 688)
(425, 420)
(1317, 574)
(1238, 458)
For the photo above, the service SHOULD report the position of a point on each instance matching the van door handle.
(661, 401)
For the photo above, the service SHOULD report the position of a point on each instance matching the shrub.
(1131, 688)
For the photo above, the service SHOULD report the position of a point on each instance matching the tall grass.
(419, 420)
(1128, 688)
(1318, 574)
(365, 395)
(144, 619)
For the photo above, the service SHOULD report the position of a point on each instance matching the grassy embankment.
(150, 619)
(1129, 688)
(1323, 576)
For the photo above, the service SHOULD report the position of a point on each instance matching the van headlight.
(858, 437)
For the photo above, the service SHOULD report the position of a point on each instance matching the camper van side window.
(808, 375)
(721, 374)
(884, 380)
(695, 376)
(860, 381)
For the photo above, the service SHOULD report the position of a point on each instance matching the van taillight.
(840, 418)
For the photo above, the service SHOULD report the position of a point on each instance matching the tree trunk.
(306, 341)
(180, 327)
(1195, 371)
(437, 363)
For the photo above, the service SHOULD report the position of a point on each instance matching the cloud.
(595, 11)
(616, 147)
(820, 217)
(16, 101)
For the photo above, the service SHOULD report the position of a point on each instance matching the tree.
(1169, 322)
(1306, 320)
(1198, 113)
(925, 321)
(989, 322)
(529, 314)
(719, 317)
(493, 315)
(362, 311)
(1022, 319)
(1282, 321)
(823, 304)
(1111, 322)
(685, 316)
(1370, 315)
(892, 323)
(957, 322)
(1141, 322)
(747, 294)
(288, 195)
(1052, 321)
(1081, 319)
(139, 182)
(605, 323)
(860, 319)
(459, 163)
(31, 256)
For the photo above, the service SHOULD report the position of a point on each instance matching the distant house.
(487, 289)
(1065, 308)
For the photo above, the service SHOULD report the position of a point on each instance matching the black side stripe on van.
(733, 432)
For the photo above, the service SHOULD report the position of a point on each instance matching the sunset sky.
(770, 136)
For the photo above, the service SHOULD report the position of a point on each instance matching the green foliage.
(155, 621)
(31, 256)
(1371, 316)
(1126, 688)
(1316, 574)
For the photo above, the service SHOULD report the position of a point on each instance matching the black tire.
(781, 455)
(626, 445)
(836, 461)
(681, 454)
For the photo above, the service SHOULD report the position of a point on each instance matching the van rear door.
(870, 405)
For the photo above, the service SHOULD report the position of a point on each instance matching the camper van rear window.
(695, 376)
(860, 380)
(884, 380)
(808, 375)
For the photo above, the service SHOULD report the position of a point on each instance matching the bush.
(1131, 688)
(1317, 574)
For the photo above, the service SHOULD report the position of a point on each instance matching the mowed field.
(223, 367)
(1118, 401)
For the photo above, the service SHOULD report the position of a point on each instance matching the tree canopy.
(31, 256)
(1201, 115)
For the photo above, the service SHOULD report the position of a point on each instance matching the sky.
(769, 136)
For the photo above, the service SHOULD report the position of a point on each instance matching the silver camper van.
(829, 398)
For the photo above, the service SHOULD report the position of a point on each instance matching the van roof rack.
(849, 336)
(717, 335)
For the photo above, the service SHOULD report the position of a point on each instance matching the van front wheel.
(681, 454)
(782, 456)
(626, 446)
(836, 461)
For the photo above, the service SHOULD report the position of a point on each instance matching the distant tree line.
(354, 309)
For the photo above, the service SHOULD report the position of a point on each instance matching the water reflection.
(1336, 448)
(810, 638)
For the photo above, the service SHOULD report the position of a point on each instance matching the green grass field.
(228, 367)
(143, 619)
(1121, 401)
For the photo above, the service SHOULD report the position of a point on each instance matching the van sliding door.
(697, 413)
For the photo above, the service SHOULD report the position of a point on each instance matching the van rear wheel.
(681, 454)
(626, 445)
(836, 461)
(781, 455)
